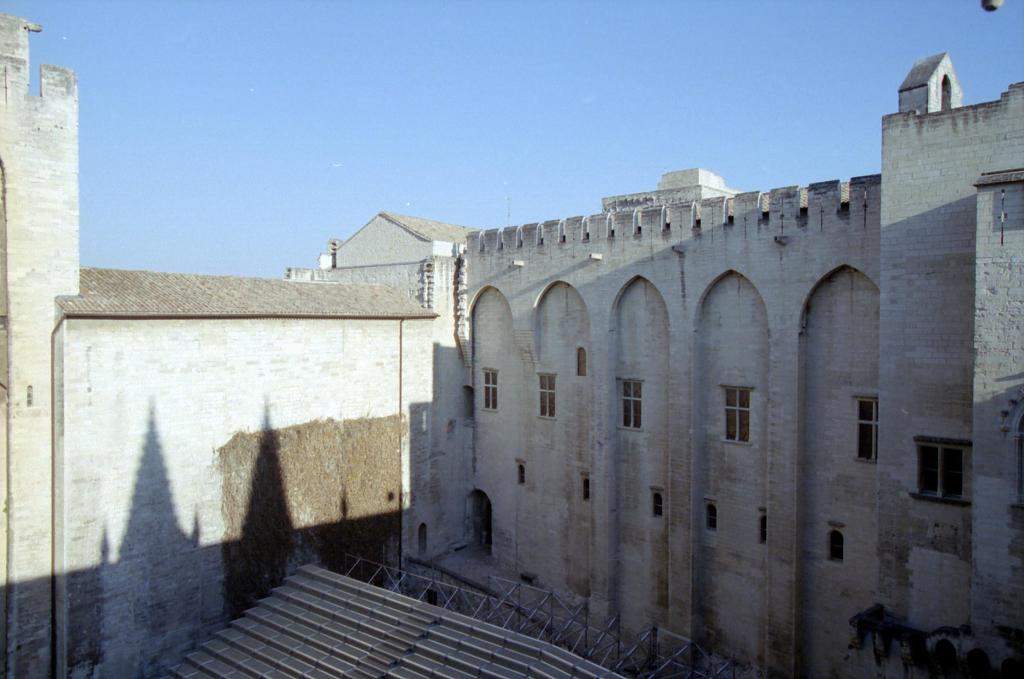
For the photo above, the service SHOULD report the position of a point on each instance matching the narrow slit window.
(763, 529)
(547, 395)
(521, 473)
(656, 504)
(490, 389)
(632, 404)
(867, 428)
(581, 361)
(586, 487)
(711, 517)
(737, 414)
(835, 545)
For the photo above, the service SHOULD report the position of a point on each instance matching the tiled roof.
(921, 71)
(429, 229)
(322, 624)
(120, 293)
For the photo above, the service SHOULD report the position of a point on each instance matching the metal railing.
(547, 616)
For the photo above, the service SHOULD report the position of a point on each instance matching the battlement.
(773, 212)
(54, 81)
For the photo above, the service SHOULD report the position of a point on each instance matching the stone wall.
(439, 477)
(182, 442)
(733, 289)
(927, 335)
(38, 261)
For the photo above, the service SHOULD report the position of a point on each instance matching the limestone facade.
(786, 424)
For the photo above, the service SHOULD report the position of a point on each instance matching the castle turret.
(931, 86)
(38, 261)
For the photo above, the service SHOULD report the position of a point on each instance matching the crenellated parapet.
(772, 214)
(55, 82)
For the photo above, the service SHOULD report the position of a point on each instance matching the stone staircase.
(320, 624)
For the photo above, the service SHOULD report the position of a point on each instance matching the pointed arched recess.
(730, 448)
(838, 415)
(561, 324)
(559, 447)
(638, 389)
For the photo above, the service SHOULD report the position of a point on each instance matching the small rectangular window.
(656, 505)
(940, 471)
(737, 414)
(586, 488)
(547, 395)
(490, 389)
(867, 428)
(521, 473)
(632, 404)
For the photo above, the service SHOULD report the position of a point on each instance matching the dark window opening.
(947, 93)
(764, 529)
(581, 361)
(586, 236)
(422, 540)
(656, 508)
(835, 545)
(711, 517)
(945, 654)
(521, 471)
(668, 226)
(978, 664)
(586, 488)
(940, 471)
(731, 219)
(867, 428)
(561, 238)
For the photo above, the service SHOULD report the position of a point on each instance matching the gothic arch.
(827, 278)
(561, 323)
(838, 391)
(711, 286)
(730, 446)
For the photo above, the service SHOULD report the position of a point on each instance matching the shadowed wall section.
(307, 493)
(839, 346)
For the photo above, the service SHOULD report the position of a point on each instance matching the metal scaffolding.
(546, 616)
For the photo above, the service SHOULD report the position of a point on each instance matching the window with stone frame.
(867, 428)
(737, 414)
(547, 395)
(632, 404)
(940, 470)
(490, 389)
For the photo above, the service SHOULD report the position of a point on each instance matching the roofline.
(402, 226)
(125, 316)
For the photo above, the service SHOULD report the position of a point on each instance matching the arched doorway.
(480, 519)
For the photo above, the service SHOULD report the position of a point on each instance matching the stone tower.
(38, 261)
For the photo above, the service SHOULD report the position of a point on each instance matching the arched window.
(422, 539)
(581, 361)
(835, 545)
(711, 517)
(763, 529)
(656, 507)
(947, 93)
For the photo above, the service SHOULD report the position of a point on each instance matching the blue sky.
(222, 137)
